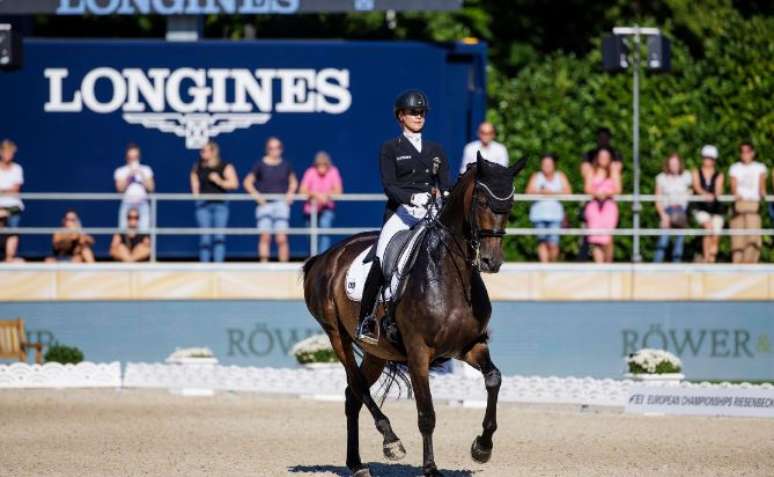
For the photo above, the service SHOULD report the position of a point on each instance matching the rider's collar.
(412, 136)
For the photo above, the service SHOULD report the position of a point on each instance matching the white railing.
(314, 231)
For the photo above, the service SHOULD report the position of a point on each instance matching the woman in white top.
(135, 181)
(673, 187)
(748, 185)
(11, 206)
(548, 214)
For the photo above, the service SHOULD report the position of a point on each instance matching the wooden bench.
(14, 344)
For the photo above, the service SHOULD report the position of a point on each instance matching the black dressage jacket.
(406, 171)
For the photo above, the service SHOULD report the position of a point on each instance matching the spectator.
(135, 181)
(673, 187)
(708, 183)
(131, 245)
(604, 138)
(272, 175)
(210, 175)
(748, 185)
(320, 182)
(548, 214)
(11, 181)
(492, 150)
(4, 237)
(603, 182)
(70, 244)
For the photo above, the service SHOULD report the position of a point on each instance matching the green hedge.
(722, 94)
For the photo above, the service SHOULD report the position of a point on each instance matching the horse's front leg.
(419, 369)
(478, 357)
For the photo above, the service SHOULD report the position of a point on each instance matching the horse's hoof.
(432, 472)
(364, 472)
(394, 451)
(480, 453)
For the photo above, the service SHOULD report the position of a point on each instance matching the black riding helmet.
(411, 99)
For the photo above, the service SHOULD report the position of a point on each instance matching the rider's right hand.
(420, 199)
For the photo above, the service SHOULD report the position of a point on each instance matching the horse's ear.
(516, 168)
(479, 159)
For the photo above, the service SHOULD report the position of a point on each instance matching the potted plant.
(315, 352)
(196, 356)
(59, 353)
(654, 365)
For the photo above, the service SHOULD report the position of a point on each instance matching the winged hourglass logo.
(197, 129)
(200, 104)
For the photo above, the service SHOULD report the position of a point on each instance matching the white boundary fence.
(314, 231)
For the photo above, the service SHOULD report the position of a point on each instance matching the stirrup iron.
(366, 338)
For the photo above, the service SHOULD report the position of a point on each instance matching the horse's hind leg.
(358, 393)
(371, 368)
(478, 357)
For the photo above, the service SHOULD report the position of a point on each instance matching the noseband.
(497, 204)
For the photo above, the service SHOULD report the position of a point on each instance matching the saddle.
(399, 258)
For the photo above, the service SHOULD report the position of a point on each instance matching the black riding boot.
(368, 328)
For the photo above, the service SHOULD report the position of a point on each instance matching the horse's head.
(490, 202)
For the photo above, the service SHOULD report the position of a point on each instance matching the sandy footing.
(134, 432)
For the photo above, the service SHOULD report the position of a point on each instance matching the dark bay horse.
(443, 312)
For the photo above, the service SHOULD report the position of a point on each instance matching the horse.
(443, 311)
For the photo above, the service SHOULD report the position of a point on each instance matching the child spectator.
(130, 245)
(135, 181)
(748, 185)
(547, 214)
(272, 175)
(708, 183)
(210, 175)
(603, 182)
(673, 187)
(70, 244)
(320, 182)
(11, 181)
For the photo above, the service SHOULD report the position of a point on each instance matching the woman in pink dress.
(602, 211)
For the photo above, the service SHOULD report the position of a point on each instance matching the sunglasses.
(416, 112)
(134, 217)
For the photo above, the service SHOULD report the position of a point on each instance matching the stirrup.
(368, 338)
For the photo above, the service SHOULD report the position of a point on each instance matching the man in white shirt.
(748, 185)
(135, 181)
(490, 149)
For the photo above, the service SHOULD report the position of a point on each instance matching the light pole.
(658, 59)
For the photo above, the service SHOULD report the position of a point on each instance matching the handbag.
(678, 219)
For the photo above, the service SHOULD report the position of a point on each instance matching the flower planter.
(666, 378)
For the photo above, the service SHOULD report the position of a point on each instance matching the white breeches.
(403, 219)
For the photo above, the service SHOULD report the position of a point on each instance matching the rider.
(406, 164)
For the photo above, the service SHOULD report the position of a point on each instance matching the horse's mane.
(455, 203)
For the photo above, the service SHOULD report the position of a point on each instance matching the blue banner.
(75, 105)
(730, 340)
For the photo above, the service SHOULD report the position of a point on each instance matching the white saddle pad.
(358, 272)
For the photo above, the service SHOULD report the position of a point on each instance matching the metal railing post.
(153, 234)
(636, 205)
(313, 225)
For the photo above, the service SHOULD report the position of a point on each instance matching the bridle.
(477, 233)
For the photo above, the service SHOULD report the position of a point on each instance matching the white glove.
(420, 199)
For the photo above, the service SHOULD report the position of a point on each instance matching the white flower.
(312, 344)
(649, 359)
(181, 353)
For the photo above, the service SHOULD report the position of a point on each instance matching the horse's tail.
(396, 374)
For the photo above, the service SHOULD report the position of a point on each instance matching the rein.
(496, 203)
